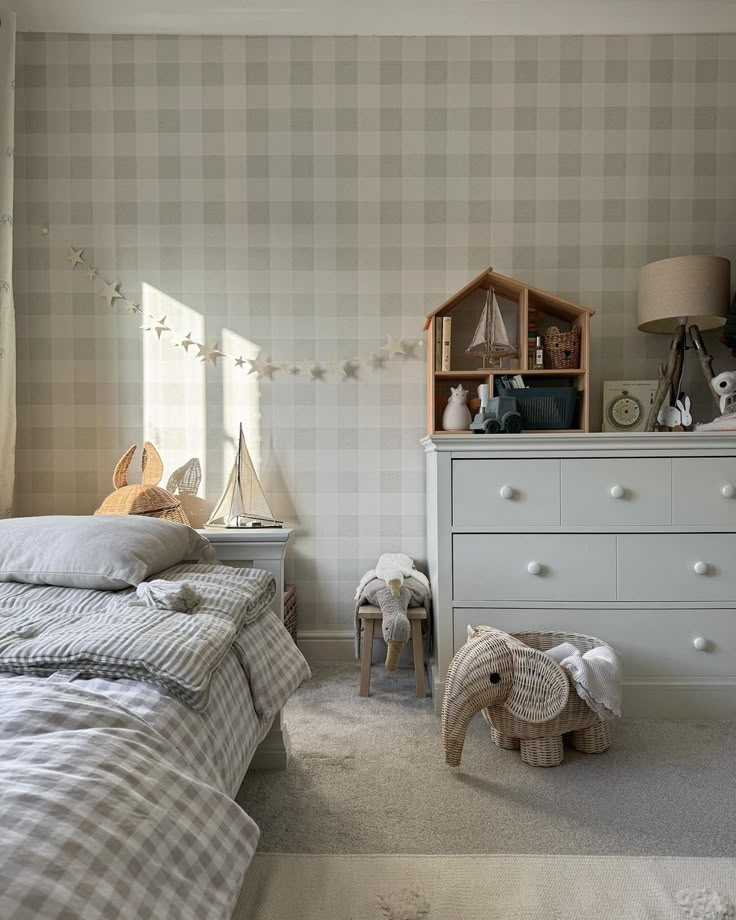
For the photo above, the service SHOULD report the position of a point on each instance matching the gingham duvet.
(115, 796)
(105, 634)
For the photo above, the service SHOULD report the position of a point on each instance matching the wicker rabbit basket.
(562, 349)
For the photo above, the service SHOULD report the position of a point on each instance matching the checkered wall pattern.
(306, 196)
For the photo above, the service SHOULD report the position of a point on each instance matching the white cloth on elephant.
(596, 675)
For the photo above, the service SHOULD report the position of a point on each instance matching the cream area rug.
(497, 887)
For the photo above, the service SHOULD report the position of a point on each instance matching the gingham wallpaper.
(308, 196)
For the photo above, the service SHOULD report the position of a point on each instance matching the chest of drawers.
(630, 538)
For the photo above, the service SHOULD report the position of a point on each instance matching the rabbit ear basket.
(146, 497)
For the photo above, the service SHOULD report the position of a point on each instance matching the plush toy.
(394, 585)
(724, 386)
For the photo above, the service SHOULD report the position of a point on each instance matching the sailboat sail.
(491, 340)
(243, 502)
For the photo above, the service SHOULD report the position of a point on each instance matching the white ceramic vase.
(456, 416)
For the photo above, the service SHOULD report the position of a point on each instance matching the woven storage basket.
(561, 349)
(544, 408)
(576, 717)
(290, 610)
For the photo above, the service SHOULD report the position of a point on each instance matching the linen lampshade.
(695, 287)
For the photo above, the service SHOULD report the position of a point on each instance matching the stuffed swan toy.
(394, 585)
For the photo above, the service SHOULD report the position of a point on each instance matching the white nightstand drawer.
(616, 492)
(498, 493)
(652, 643)
(704, 491)
(541, 567)
(677, 567)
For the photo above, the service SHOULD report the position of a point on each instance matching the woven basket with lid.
(147, 497)
(562, 349)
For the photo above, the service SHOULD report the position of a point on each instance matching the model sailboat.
(243, 503)
(491, 339)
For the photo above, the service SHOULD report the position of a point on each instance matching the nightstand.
(260, 549)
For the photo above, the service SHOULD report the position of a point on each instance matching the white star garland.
(347, 367)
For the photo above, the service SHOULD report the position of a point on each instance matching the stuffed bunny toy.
(145, 497)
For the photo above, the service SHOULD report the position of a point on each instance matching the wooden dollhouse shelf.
(522, 307)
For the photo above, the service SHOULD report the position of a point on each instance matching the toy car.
(501, 415)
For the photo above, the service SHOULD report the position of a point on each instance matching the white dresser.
(631, 538)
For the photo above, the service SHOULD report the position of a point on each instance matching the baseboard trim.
(327, 645)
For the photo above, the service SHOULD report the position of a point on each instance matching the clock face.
(624, 412)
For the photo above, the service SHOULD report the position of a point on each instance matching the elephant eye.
(494, 678)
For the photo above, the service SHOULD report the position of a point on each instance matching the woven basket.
(561, 349)
(290, 610)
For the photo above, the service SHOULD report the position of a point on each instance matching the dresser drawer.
(616, 492)
(541, 567)
(652, 643)
(677, 567)
(498, 493)
(704, 491)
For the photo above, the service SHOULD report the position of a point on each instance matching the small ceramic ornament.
(456, 416)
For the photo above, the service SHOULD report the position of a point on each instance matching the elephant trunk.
(455, 721)
(393, 654)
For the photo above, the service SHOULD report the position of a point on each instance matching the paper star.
(393, 347)
(209, 353)
(91, 273)
(110, 292)
(317, 372)
(133, 307)
(187, 342)
(240, 361)
(158, 326)
(304, 367)
(262, 369)
(74, 256)
(288, 367)
(350, 369)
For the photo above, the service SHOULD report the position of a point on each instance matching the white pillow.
(105, 552)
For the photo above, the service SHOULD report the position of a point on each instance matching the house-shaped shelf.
(528, 314)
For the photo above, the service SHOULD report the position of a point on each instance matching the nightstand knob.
(728, 491)
(534, 568)
(700, 643)
(617, 491)
(506, 492)
(700, 568)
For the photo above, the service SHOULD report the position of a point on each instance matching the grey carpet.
(368, 776)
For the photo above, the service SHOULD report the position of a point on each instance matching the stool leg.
(416, 641)
(365, 658)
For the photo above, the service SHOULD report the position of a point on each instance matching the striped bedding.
(116, 797)
(106, 634)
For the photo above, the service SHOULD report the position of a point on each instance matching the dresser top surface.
(636, 443)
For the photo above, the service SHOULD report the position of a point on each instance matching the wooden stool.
(369, 616)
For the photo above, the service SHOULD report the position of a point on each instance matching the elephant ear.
(539, 689)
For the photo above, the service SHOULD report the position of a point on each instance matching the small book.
(438, 344)
(446, 342)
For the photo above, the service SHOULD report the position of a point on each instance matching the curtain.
(7, 314)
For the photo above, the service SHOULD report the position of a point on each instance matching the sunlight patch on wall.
(241, 400)
(174, 397)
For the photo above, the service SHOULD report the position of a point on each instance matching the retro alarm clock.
(626, 404)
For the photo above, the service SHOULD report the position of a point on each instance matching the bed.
(117, 777)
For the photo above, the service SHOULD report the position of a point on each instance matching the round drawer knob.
(700, 568)
(506, 492)
(534, 568)
(617, 491)
(700, 643)
(728, 491)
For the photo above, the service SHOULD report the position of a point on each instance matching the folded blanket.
(101, 634)
(414, 593)
(596, 676)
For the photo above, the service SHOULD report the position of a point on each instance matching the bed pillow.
(104, 552)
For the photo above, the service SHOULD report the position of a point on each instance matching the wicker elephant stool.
(525, 696)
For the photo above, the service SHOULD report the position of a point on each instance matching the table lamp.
(684, 293)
